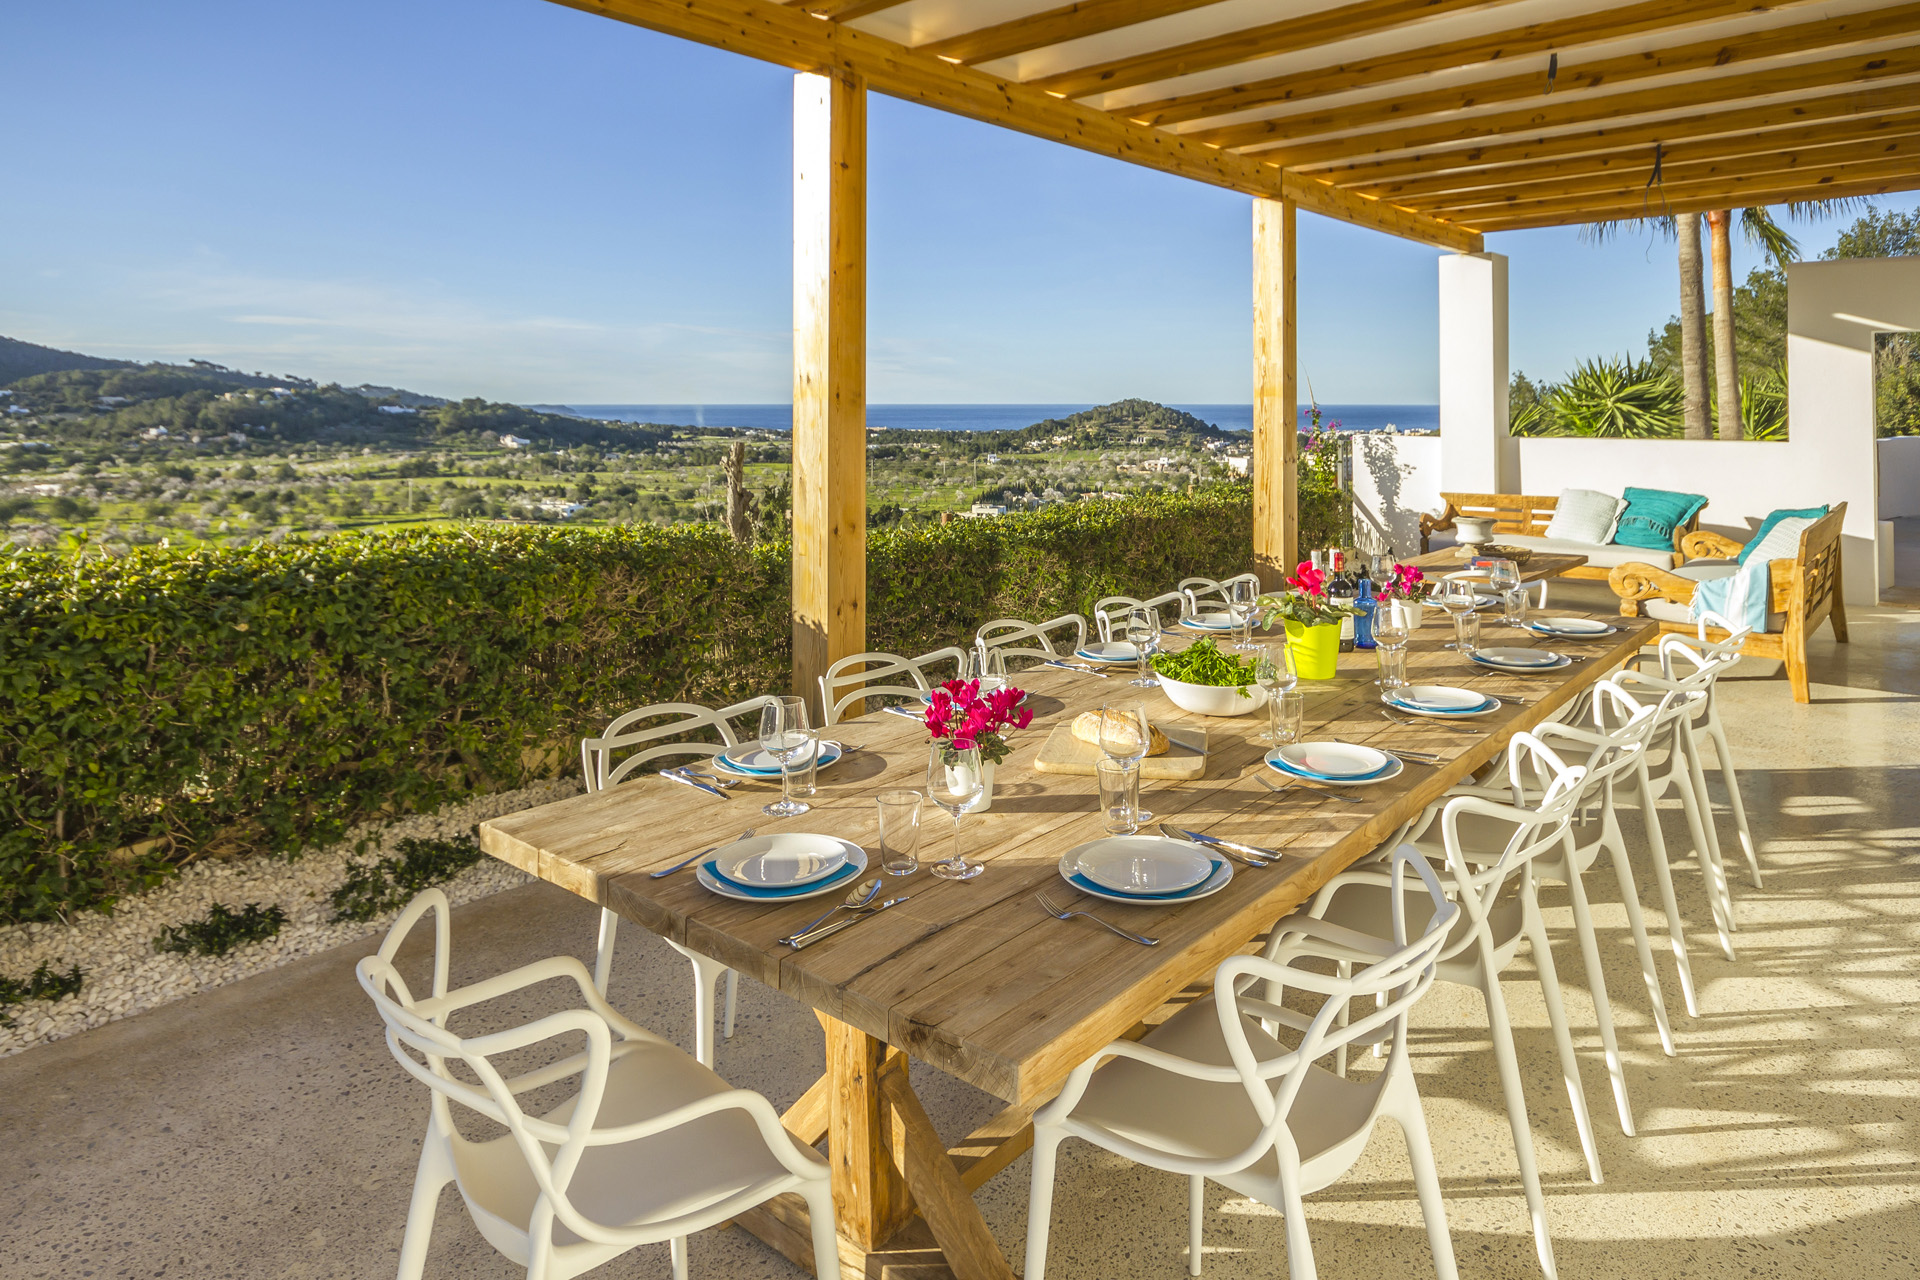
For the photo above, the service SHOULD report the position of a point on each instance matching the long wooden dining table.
(974, 977)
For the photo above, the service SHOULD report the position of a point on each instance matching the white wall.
(1395, 478)
(1473, 371)
(1899, 477)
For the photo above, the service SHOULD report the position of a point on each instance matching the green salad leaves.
(1203, 663)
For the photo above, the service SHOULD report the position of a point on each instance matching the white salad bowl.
(1212, 699)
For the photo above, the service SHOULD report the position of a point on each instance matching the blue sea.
(993, 417)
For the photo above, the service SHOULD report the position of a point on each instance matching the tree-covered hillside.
(24, 359)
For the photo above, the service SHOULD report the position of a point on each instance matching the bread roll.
(1086, 727)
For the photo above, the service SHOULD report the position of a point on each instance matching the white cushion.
(1707, 570)
(1600, 555)
(1674, 611)
(1585, 515)
(1783, 540)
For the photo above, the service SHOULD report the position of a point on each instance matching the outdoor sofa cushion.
(1766, 526)
(1651, 516)
(1674, 611)
(1584, 515)
(1602, 557)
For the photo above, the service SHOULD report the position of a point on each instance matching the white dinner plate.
(1109, 653)
(827, 883)
(1395, 767)
(1570, 626)
(788, 857)
(757, 762)
(1144, 864)
(1213, 620)
(1334, 760)
(1214, 883)
(1469, 575)
(1441, 700)
(1519, 659)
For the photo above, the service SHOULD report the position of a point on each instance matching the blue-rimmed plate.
(1570, 628)
(1110, 653)
(1216, 879)
(781, 860)
(1441, 700)
(1393, 769)
(713, 880)
(1520, 660)
(751, 761)
(1213, 620)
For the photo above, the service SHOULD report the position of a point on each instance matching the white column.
(1475, 456)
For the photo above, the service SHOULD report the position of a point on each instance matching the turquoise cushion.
(1652, 515)
(1766, 526)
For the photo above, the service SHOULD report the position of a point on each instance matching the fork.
(1314, 791)
(687, 862)
(1058, 914)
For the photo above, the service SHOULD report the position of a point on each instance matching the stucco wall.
(1899, 477)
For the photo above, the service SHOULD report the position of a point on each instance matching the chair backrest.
(867, 676)
(1197, 589)
(1110, 612)
(654, 741)
(1397, 980)
(1018, 639)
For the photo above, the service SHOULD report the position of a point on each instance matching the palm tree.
(1693, 329)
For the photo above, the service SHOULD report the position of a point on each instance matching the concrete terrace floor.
(262, 1130)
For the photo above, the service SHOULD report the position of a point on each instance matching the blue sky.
(511, 199)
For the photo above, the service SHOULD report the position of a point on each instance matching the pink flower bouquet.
(959, 718)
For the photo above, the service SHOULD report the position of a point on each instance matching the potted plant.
(1404, 593)
(1313, 622)
(959, 719)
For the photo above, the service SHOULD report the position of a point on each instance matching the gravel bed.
(123, 974)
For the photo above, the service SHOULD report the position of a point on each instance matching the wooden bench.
(1805, 592)
(1527, 515)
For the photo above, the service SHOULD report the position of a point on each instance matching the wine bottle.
(1341, 590)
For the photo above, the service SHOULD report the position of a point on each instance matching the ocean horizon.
(990, 417)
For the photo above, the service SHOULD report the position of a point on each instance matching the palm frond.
(1759, 228)
(1599, 233)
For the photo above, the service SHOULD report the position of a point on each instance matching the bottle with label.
(1341, 590)
(1363, 621)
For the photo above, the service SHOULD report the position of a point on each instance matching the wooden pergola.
(1435, 120)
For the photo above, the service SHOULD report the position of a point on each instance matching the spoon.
(862, 894)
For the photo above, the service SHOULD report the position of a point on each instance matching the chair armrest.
(1634, 582)
(1704, 544)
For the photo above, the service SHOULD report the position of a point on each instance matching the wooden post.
(1276, 395)
(829, 375)
(870, 1198)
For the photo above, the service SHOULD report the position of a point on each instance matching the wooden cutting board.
(1186, 755)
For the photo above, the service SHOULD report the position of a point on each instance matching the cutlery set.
(1068, 666)
(1251, 855)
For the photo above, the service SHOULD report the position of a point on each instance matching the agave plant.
(1618, 399)
(1763, 405)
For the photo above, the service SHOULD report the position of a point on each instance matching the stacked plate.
(1570, 628)
(1215, 620)
(1337, 764)
(1441, 701)
(1144, 869)
(790, 864)
(1111, 653)
(1520, 660)
(752, 761)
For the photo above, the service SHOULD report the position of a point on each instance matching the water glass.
(805, 766)
(1289, 712)
(1242, 593)
(1143, 633)
(1516, 602)
(1271, 673)
(1119, 783)
(1393, 670)
(954, 781)
(784, 735)
(899, 832)
(1466, 632)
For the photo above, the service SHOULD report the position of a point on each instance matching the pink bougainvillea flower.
(1308, 580)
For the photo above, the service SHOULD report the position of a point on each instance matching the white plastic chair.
(1291, 1127)
(1500, 910)
(1197, 589)
(1680, 657)
(1018, 639)
(656, 742)
(1110, 612)
(653, 1146)
(866, 674)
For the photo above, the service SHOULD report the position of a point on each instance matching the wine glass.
(1143, 633)
(1458, 597)
(783, 735)
(1271, 673)
(1241, 595)
(1125, 735)
(993, 671)
(954, 781)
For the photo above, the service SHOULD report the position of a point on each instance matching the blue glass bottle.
(1363, 621)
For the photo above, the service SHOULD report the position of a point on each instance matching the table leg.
(864, 1142)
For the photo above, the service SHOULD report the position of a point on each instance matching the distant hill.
(24, 359)
(1116, 425)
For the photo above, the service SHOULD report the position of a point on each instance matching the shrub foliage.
(217, 703)
(221, 930)
(372, 888)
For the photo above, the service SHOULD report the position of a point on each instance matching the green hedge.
(228, 702)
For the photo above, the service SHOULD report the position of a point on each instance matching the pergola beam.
(1844, 181)
(1055, 26)
(1499, 48)
(788, 37)
(1707, 91)
(1806, 38)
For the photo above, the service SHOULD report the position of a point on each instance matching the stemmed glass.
(1458, 598)
(954, 781)
(1143, 633)
(1125, 736)
(1242, 593)
(783, 734)
(1390, 642)
(1273, 674)
(993, 671)
(1503, 579)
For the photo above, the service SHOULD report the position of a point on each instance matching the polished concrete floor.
(262, 1130)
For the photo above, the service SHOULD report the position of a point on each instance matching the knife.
(902, 711)
(685, 781)
(1068, 666)
(1201, 837)
(808, 939)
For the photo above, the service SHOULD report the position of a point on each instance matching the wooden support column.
(1276, 394)
(829, 375)
(864, 1137)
